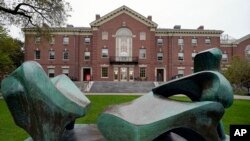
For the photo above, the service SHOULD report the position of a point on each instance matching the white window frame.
(51, 71)
(38, 39)
(87, 40)
(159, 41)
(102, 73)
(142, 72)
(207, 41)
(36, 55)
(105, 53)
(52, 40)
(194, 42)
(52, 55)
(105, 35)
(181, 55)
(142, 36)
(142, 53)
(160, 56)
(65, 40)
(87, 55)
(64, 54)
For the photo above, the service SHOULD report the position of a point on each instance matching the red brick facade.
(123, 45)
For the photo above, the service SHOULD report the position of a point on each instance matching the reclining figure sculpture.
(155, 117)
(43, 107)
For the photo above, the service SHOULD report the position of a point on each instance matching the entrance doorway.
(124, 74)
(86, 74)
(160, 75)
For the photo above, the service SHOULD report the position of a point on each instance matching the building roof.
(121, 10)
(242, 39)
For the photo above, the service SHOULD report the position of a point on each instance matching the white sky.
(231, 16)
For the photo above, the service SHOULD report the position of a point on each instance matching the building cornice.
(60, 30)
(183, 32)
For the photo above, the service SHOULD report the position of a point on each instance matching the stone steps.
(121, 87)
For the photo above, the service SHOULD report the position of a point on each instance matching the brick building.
(123, 45)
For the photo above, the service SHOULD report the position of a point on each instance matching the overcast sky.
(231, 16)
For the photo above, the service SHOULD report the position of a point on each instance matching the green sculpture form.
(43, 107)
(155, 117)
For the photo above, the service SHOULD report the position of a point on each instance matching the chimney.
(201, 27)
(97, 16)
(69, 25)
(150, 18)
(177, 27)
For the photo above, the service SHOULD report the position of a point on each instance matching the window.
(180, 72)
(207, 41)
(65, 71)
(181, 43)
(51, 72)
(104, 72)
(181, 56)
(87, 40)
(142, 53)
(37, 54)
(37, 39)
(194, 42)
(105, 53)
(159, 42)
(193, 55)
(159, 56)
(247, 51)
(52, 40)
(142, 72)
(51, 54)
(142, 36)
(65, 54)
(105, 35)
(86, 55)
(224, 57)
(65, 40)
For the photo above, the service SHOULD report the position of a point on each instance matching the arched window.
(124, 42)
(247, 52)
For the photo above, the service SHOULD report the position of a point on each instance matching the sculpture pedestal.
(81, 132)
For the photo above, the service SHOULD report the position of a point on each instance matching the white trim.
(143, 65)
(65, 67)
(51, 67)
(181, 68)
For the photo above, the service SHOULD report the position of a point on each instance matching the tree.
(11, 55)
(238, 73)
(34, 12)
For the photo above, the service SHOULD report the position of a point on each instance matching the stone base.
(89, 132)
(81, 132)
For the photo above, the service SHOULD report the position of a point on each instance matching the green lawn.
(237, 114)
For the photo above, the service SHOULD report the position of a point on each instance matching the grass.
(237, 114)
